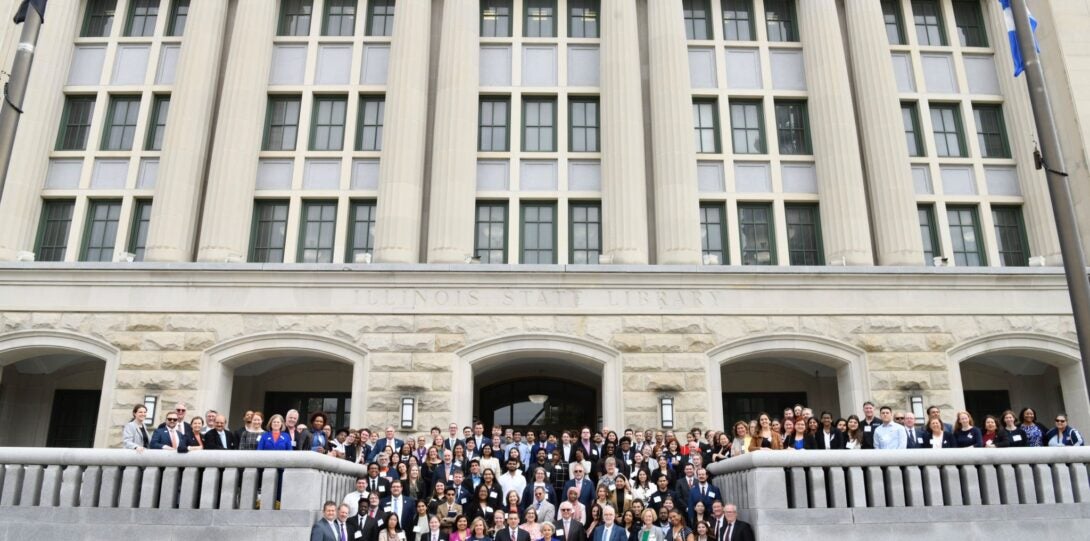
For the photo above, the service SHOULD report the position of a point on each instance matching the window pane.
(328, 129)
(121, 123)
(912, 129)
(695, 13)
(490, 244)
(493, 125)
(361, 230)
(747, 128)
(55, 224)
(713, 231)
(178, 15)
(283, 123)
(738, 20)
(101, 231)
(495, 18)
(928, 234)
(706, 126)
(965, 237)
(270, 231)
(755, 228)
(340, 18)
(1010, 235)
(780, 20)
(538, 123)
(380, 18)
(371, 117)
(142, 15)
(158, 125)
(98, 20)
(538, 230)
(295, 17)
(891, 11)
(540, 19)
(138, 235)
(583, 18)
(991, 133)
(946, 123)
(791, 128)
(970, 23)
(586, 233)
(803, 235)
(76, 123)
(319, 224)
(927, 17)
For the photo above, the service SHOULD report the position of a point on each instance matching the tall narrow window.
(911, 119)
(179, 12)
(991, 133)
(490, 242)
(793, 127)
(269, 231)
(495, 18)
(927, 16)
(747, 127)
(98, 20)
(780, 20)
(755, 229)
(158, 125)
(583, 18)
(965, 237)
(946, 122)
(706, 126)
(138, 233)
(121, 123)
(317, 237)
(583, 114)
(282, 123)
(1010, 235)
(340, 18)
(493, 124)
(327, 130)
(970, 23)
(539, 124)
(538, 233)
(895, 28)
(585, 233)
(53, 232)
(361, 230)
(696, 17)
(142, 15)
(928, 234)
(76, 123)
(101, 230)
(380, 18)
(295, 17)
(713, 232)
(804, 234)
(738, 20)
(540, 19)
(371, 117)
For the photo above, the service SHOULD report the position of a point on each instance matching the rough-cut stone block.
(696, 382)
(449, 342)
(626, 343)
(146, 323)
(410, 382)
(432, 362)
(665, 343)
(414, 342)
(538, 324)
(181, 360)
(148, 379)
(139, 360)
(641, 324)
(683, 325)
(390, 362)
(162, 341)
(438, 325)
(198, 341)
(377, 341)
(642, 362)
(640, 402)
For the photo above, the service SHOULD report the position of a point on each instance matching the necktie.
(606, 538)
(344, 536)
(729, 528)
(173, 438)
(144, 435)
(223, 439)
(567, 523)
(703, 490)
(397, 507)
(374, 483)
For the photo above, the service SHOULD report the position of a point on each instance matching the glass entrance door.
(563, 405)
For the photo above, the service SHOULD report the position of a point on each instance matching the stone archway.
(218, 365)
(27, 346)
(1003, 351)
(559, 350)
(848, 362)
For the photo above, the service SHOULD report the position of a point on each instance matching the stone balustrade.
(930, 492)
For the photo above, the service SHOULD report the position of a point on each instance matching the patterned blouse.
(1033, 434)
(247, 441)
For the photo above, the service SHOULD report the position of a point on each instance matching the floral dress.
(1033, 434)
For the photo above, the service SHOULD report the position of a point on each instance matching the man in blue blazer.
(703, 491)
(579, 481)
(324, 529)
(162, 439)
(391, 443)
(609, 530)
(403, 506)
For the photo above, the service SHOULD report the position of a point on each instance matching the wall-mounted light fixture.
(666, 411)
(408, 411)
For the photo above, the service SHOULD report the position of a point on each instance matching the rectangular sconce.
(917, 407)
(408, 411)
(666, 411)
(150, 401)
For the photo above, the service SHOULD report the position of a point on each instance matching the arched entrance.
(276, 372)
(57, 387)
(1013, 371)
(771, 372)
(564, 368)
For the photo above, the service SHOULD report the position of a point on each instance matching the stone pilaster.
(677, 210)
(454, 152)
(890, 186)
(176, 205)
(21, 202)
(232, 172)
(401, 171)
(624, 185)
(1021, 132)
(844, 226)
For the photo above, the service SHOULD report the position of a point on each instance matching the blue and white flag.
(1016, 50)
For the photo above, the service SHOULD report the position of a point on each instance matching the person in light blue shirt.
(889, 435)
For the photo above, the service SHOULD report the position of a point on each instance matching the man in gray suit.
(546, 512)
(327, 528)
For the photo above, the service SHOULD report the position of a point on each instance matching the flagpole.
(15, 90)
(1066, 225)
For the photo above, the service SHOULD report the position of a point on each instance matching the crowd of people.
(584, 485)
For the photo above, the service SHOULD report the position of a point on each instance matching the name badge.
(493, 495)
(919, 440)
(866, 428)
(1016, 437)
(970, 435)
(558, 467)
(357, 535)
(629, 462)
(487, 509)
(560, 532)
(381, 488)
(657, 499)
(388, 509)
(711, 494)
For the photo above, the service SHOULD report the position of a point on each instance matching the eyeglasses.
(179, 409)
(1061, 420)
(172, 419)
(898, 418)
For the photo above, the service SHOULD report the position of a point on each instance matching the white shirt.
(512, 481)
(353, 500)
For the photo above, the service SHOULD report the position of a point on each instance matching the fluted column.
(21, 203)
(844, 226)
(454, 152)
(1021, 130)
(677, 208)
(890, 186)
(401, 171)
(186, 140)
(229, 201)
(624, 176)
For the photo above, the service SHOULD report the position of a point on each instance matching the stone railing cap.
(198, 459)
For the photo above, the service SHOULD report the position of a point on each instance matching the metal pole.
(1066, 226)
(12, 107)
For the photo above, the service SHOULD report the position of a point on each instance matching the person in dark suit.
(703, 491)
(219, 438)
(326, 529)
(935, 437)
(567, 528)
(364, 523)
(376, 483)
(168, 436)
(579, 481)
(403, 506)
(827, 436)
(684, 487)
(183, 427)
(390, 442)
(512, 532)
(736, 530)
(609, 530)
(434, 532)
